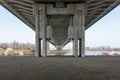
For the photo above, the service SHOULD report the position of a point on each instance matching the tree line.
(18, 46)
(102, 48)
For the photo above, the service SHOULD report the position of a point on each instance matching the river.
(99, 53)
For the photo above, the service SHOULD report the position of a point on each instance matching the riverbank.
(59, 68)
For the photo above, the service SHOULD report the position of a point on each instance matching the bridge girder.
(96, 9)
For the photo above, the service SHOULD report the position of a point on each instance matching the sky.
(105, 32)
(11, 28)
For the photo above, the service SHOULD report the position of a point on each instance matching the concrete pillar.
(75, 36)
(83, 45)
(49, 32)
(75, 47)
(70, 29)
(83, 31)
(48, 46)
(44, 47)
(42, 18)
(75, 29)
(38, 39)
(40, 27)
(59, 47)
(79, 29)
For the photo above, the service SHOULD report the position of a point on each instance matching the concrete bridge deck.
(59, 68)
(23, 9)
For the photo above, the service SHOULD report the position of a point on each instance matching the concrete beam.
(25, 11)
(98, 3)
(21, 3)
(57, 11)
(115, 4)
(89, 1)
(16, 14)
(23, 7)
(29, 1)
(97, 7)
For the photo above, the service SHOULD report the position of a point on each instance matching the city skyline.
(103, 33)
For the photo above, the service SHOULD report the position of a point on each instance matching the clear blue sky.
(11, 28)
(106, 32)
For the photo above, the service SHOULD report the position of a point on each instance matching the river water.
(99, 53)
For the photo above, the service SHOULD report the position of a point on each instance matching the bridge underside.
(60, 21)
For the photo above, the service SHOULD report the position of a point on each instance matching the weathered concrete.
(40, 29)
(58, 23)
(38, 39)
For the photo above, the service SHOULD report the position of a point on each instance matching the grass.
(60, 68)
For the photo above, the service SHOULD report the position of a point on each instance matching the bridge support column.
(40, 27)
(79, 30)
(82, 45)
(44, 48)
(75, 47)
(82, 25)
(59, 47)
(37, 35)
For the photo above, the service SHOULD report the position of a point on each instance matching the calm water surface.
(97, 53)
